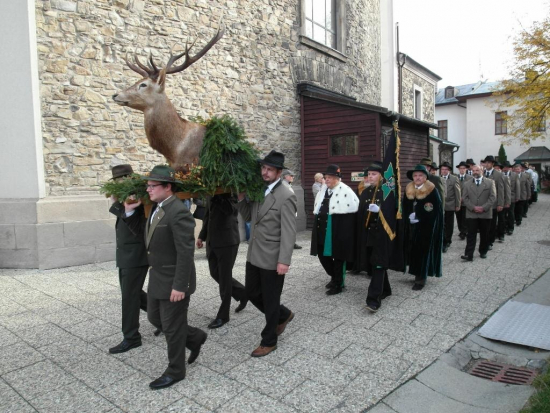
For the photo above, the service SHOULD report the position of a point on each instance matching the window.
(542, 124)
(449, 92)
(320, 21)
(417, 102)
(442, 133)
(500, 123)
(344, 145)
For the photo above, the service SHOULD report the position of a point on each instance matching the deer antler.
(190, 60)
(150, 71)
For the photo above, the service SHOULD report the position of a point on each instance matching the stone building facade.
(77, 50)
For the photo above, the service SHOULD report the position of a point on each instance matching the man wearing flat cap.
(170, 242)
(375, 248)
(272, 239)
(452, 202)
(462, 178)
(131, 260)
(434, 179)
(333, 235)
(423, 234)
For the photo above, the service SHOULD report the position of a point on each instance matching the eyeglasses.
(150, 186)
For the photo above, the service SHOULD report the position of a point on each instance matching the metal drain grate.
(503, 373)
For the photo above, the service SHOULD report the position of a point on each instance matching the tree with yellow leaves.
(527, 93)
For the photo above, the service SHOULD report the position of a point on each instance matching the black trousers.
(534, 196)
(461, 220)
(475, 224)
(379, 287)
(171, 318)
(336, 269)
(509, 218)
(133, 299)
(220, 263)
(497, 227)
(520, 206)
(448, 227)
(263, 289)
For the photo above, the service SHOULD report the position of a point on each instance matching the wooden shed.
(337, 129)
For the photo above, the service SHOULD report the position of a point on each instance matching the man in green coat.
(131, 260)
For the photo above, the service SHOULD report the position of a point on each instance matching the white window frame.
(339, 18)
(421, 92)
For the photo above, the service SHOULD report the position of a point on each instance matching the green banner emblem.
(389, 181)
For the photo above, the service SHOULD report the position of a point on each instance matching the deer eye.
(143, 85)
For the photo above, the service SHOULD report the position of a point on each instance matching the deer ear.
(162, 79)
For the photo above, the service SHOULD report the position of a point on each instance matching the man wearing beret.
(463, 177)
(333, 235)
(272, 239)
(423, 235)
(131, 260)
(374, 246)
(170, 242)
(478, 197)
(452, 202)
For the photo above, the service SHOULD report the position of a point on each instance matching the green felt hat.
(417, 168)
(162, 173)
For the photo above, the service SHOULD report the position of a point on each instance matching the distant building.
(467, 115)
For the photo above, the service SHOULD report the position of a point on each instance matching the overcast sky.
(464, 40)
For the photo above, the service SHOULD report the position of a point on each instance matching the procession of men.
(371, 231)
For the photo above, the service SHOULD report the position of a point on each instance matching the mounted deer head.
(179, 140)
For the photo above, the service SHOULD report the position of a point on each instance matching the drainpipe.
(400, 69)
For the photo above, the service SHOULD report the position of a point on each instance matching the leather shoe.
(263, 351)
(241, 306)
(297, 247)
(490, 247)
(483, 255)
(329, 285)
(217, 323)
(334, 291)
(417, 287)
(195, 353)
(124, 347)
(445, 248)
(157, 332)
(462, 236)
(466, 258)
(281, 327)
(372, 308)
(163, 382)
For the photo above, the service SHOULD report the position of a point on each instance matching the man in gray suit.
(509, 213)
(479, 197)
(496, 231)
(462, 177)
(170, 242)
(524, 193)
(272, 239)
(452, 202)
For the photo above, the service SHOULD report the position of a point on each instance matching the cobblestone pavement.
(56, 327)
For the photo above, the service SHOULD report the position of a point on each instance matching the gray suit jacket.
(499, 186)
(452, 193)
(272, 227)
(515, 188)
(466, 179)
(483, 195)
(525, 186)
(170, 242)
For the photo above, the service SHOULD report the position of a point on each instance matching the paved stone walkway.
(56, 327)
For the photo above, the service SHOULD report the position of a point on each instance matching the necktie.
(487, 174)
(478, 181)
(461, 178)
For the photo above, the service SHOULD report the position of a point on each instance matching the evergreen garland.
(227, 160)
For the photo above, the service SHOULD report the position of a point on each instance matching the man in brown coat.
(453, 200)
(479, 197)
(272, 239)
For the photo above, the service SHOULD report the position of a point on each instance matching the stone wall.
(251, 74)
(410, 79)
